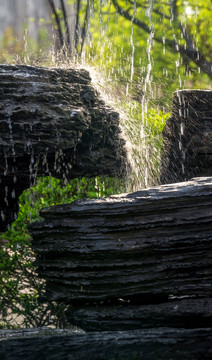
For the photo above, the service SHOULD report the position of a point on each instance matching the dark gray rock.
(136, 271)
(187, 137)
(148, 344)
(144, 247)
(53, 122)
(184, 313)
(36, 332)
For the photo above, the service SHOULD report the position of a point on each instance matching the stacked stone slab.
(130, 244)
(187, 137)
(53, 122)
(135, 268)
(147, 344)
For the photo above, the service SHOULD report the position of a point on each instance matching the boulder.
(187, 313)
(135, 271)
(148, 344)
(145, 247)
(187, 137)
(53, 122)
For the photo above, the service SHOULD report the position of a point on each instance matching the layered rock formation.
(143, 247)
(187, 137)
(135, 270)
(151, 344)
(53, 122)
(131, 261)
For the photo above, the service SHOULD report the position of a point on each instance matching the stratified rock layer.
(136, 271)
(151, 344)
(181, 313)
(143, 247)
(187, 137)
(53, 122)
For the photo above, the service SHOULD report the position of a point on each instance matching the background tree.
(166, 44)
(172, 15)
(71, 42)
(163, 44)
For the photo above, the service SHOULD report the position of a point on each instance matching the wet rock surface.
(35, 332)
(143, 247)
(182, 313)
(187, 137)
(53, 122)
(135, 270)
(148, 344)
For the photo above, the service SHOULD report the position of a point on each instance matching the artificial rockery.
(53, 123)
(134, 269)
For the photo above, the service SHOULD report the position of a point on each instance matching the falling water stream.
(183, 113)
(147, 83)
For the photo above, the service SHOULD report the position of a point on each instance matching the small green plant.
(144, 131)
(20, 288)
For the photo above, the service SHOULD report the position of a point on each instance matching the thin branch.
(127, 16)
(68, 40)
(57, 20)
(85, 26)
(189, 51)
(153, 10)
(173, 8)
(195, 56)
(77, 25)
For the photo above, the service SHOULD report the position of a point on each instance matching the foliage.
(120, 44)
(19, 284)
(24, 50)
(143, 129)
(153, 120)
(150, 47)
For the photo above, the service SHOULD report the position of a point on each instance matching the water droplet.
(13, 194)
(2, 215)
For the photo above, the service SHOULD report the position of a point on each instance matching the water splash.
(11, 145)
(183, 114)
